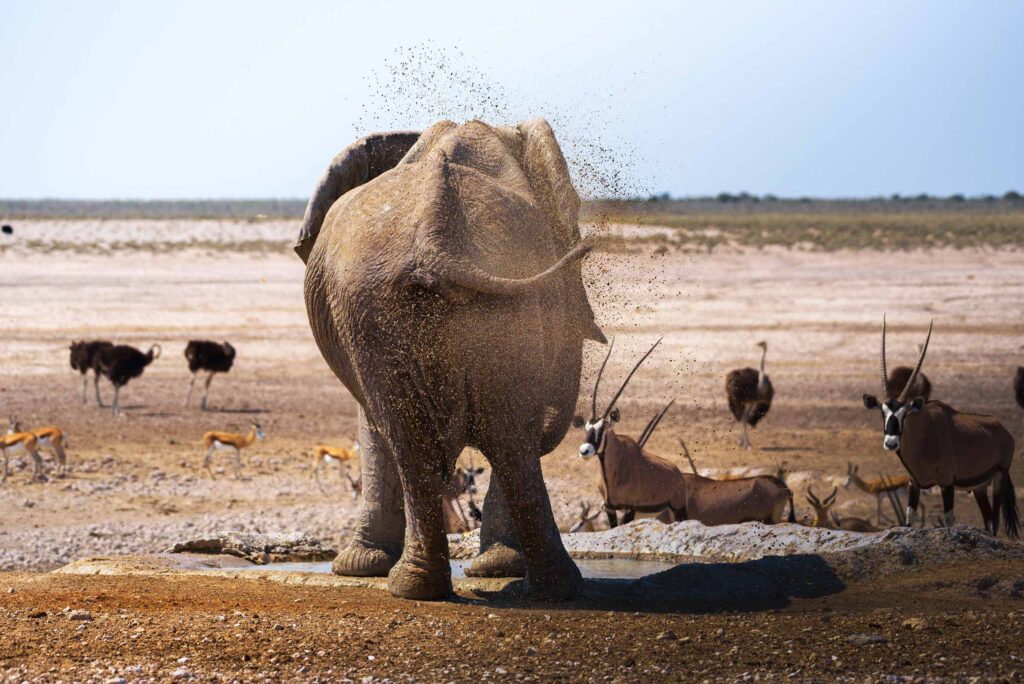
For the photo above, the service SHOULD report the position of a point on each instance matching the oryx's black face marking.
(893, 414)
(594, 442)
(469, 477)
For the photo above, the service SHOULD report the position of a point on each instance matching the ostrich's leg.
(206, 392)
(96, 386)
(238, 463)
(117, 401)
(188, 395)
(744, 439)
(85, 384)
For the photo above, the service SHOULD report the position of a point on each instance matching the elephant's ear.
(545, 167)
(548, 174)
(359, 163)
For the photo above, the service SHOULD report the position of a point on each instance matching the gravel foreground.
(956, 622)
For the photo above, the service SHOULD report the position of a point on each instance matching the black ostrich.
(83, 354)
(750, 395)
(120, 363)
(898, 377)
(212, 357)
(1018, 385)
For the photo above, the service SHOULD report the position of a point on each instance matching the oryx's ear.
(871, 401)
(578, 422)
(615, 415)
(917, 404)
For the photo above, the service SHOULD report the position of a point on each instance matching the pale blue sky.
(211, 98)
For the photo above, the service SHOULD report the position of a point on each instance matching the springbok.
(635, 480)
(879, 487)
(230, 441)
(463, 481)
(355, 485)
(17, 442)
(940, 446)
(51, 438)
(825, 517)
(585, 519)
(325, 453)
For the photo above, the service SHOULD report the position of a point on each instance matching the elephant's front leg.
(377, 542)
(550, 574)
(500, 554)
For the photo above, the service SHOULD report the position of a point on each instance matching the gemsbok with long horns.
(635, 480)
(940, 446)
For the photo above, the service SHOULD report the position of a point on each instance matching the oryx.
(939, 446)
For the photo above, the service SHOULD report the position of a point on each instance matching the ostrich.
(1018, 385)
(750, 395)
(212, 357)
(898, 377)
(120, 363)
(83, 354)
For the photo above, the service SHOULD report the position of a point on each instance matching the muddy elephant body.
(445, 292)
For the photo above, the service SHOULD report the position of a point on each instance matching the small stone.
(82, 615)
(278, 627)
(181, 673)
(667, 635)
(867, 639)
(531, 651)
(37, 614)
(29, 503)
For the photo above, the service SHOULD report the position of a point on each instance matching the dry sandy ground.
(135, 484)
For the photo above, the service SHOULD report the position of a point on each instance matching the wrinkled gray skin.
(443, 288)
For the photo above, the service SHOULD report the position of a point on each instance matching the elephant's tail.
(468, 276)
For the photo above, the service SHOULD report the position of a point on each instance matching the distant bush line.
(724, 203)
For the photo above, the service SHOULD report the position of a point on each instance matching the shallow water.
(603, 568)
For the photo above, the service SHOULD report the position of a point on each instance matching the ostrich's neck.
(760, 370)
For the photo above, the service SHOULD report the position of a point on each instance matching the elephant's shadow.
(764, 584)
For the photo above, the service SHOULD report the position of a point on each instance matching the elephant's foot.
(360, 559)
(498, 561)
(430, 582)
(557, 581)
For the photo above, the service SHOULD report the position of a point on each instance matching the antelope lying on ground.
(325, 453)
(585, 519)
(15, 442)
(879, 487)
(463, 481)
(230, 441)
(51, 438)
(825, 517)
(633, 479)
(939, 446)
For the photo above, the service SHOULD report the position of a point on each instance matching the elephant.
(443, 287)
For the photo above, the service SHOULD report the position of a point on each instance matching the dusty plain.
(136, 486)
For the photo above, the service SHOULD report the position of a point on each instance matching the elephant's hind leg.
(377, 542)
(423, 572)
(500, 554)
(550, 574)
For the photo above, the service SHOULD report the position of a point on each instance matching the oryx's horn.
(917, 368)
(881, 361)
(629, 377)
(600, 372)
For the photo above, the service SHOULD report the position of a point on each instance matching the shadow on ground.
(758, 585)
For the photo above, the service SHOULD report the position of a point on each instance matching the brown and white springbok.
(878, 487)
(940, 446)
(230, 441)
(325, 453)
(463, 481)
(585, 519)
(15, 442)
(825, 517)
(635, 480)
(50, 438)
